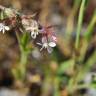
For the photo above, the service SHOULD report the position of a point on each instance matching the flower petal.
(54, 38)
(52, 44)
(42, 48)
(44, 40)
(49, 49)
(29, 28)
(33, 35)
(39, 44)
(0, 29)
(3, 30)
(7, 28)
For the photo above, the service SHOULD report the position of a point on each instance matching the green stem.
(88, 33)
(73, 84)
(20, 71)
(23, 62)
(70, 20)
(56, 82)
(80, 20)
(2, 15)
(23, 59)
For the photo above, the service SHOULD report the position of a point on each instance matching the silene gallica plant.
(26, 29)
(68, 75)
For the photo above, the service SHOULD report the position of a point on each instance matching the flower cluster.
(16, 20)
(31, 26)
(48, 40)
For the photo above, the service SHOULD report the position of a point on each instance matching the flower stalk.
(80, 20)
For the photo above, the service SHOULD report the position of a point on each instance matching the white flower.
(31, 26)
(3, 28)
(34, 31)
(25, 23)
(47, 45)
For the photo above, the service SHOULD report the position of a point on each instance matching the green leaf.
(80, 21)
(91, 25)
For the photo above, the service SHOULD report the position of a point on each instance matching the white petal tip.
(7, 28)
(52, 44)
